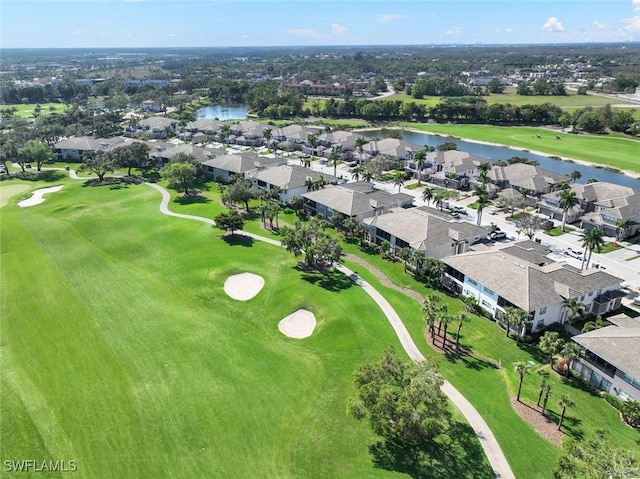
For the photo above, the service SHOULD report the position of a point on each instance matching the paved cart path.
(488, 441)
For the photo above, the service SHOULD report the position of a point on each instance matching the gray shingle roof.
(358, 198)
(619, 346)
(525, 284)
(423, 230)
(240, 163)
(291, 176)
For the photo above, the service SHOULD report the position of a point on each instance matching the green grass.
(26, 110)
(570, 101)
(121, 351)
(486, 387)
(609, 247)
(557, 231)
(612, 150)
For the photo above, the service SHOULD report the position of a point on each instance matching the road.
(623, 263)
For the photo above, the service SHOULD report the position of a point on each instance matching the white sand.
(243, 286)
(37, 196)
(299, 324)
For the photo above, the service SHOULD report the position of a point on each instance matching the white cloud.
(172, 35)
(453, 31)
(304, 32)
(635, 4)
(387, 18)
(337, 29)
(508, 30)
(243, 36)
(633, 24)
(599, 25)
(553, 25)
(498, 30)
(77, 33)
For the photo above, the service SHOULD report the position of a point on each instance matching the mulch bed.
(528, 412)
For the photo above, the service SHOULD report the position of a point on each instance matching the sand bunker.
(243, 286)
(37, 196)
(299, 324)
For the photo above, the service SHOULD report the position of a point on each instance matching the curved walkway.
(488, 441)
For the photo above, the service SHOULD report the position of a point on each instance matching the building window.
(631, 380)
(472, 281)
(486, 303)
(488, 291)
(543, 310)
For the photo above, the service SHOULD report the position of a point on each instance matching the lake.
(223, 112)
(495, 153)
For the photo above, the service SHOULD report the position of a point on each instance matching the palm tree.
(446, 320)
(575, 175)
(385, 246)
(521, 368)
(312, 141)
(484, 170)
(398, 177)
(405, 256)
(547, 392)
(367, 175)
(571, 352)
(551, 343)
(267, 133)
(462, 318)
(519, 320)
(431, 308)
(420, 159)
(334, 157)
(511, 316)
(594, 324)
(544, 376)
(564, 402)
(574, 308)
(621, 227)
(470, 303)
(418, 259)
(567, 199)
(439, 198)
(356, 172)
(360, 142)
(483, 200)
(224, 133)
(428, 194)
(591, 239)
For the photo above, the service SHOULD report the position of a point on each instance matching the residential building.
(424, 229)
(292, 180)
(611, 357)
(157, 126)
(521, 176)
(600, 205)
(74, 148)
(359, 200)
(454, 168)
(521, 275)
(225, 166)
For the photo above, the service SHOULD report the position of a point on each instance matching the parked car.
(459, 209)
(455, 215)
(574, 253)
(496, 235)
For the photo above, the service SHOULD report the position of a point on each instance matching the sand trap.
(243, 286)
(299, 324)
(37, 196)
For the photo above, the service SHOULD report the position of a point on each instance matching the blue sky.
(202, 23)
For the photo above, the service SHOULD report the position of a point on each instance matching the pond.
(223, 112)
(494, 153)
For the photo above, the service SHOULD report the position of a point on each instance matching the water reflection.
(495, 153)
